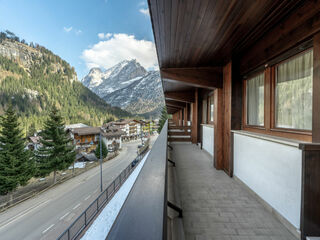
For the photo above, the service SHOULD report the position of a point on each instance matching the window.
(211, 110)
(204, 112)
(293, 93)
(255, 100)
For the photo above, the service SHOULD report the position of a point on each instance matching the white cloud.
(119, 47)
(144, 11)
(104, 36)
(67, 29)
(78, 32)
(142, 3)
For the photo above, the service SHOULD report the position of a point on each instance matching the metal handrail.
(144, 213)
(85, 218)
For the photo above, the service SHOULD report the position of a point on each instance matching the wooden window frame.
(209, 110)
(269, 127)
(245, 105)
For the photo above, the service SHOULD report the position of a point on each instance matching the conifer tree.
(56, 151)
(32, 130)
(163, 118)
(104, 150)
(16, 163)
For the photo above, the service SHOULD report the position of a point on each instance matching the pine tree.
(16, 163)
(104, 150)
(32, 130)
(56, 151)
(163, 118)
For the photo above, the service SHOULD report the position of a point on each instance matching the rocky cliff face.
(129, 86)
(21, 53)
(29, 57)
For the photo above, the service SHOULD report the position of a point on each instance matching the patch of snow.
(103, 223)
(131, 80)
(78, 165)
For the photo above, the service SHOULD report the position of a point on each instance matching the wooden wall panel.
(310, 207)
(302, 24)
(194, 130)
(316, 90)
(227, 93)
(218, 129)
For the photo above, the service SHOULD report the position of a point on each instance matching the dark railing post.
(85, 218)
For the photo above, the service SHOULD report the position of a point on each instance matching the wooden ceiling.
(202, 33)
(205, 34)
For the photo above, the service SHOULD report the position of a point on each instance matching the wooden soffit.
(180, 96)
(202, 33)
(209, 77)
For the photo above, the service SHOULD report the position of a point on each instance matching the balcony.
(214, 206)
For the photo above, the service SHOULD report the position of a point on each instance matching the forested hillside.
(34, 79)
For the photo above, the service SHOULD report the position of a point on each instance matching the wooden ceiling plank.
(283, 37)
(210, 78)
(199, 12)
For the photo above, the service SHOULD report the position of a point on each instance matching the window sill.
(207, 125)
(266, 137)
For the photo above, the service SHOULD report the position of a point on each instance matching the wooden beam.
(310, 207)
(194, 131)
(175, 103)
(218, 129)
(173, 106)
(181, 96)
(316, 89)
(185, 115)
(209, 78)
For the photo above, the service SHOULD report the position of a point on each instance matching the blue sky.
(70, 29)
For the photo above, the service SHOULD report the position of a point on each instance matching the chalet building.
(242, 82)
(131, 128)
(85, 138)
(112, 136)
(33, 143)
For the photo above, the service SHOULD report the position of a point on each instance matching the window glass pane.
(294, 92)
(211, 109)
(255, 100)
(204, 111)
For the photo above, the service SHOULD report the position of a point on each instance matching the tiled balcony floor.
(216, 206)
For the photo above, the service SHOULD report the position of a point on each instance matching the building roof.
(112, 131)
(86, 131)
(35, 139)
(76, 125)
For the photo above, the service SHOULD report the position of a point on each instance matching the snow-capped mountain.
(129, 86)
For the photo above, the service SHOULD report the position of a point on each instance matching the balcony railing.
(144, 214)
(85, 219)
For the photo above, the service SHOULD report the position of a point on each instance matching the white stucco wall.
(273, 171)
(208, 138)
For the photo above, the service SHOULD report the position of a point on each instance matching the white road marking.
(64, 215)
(76, 206)
(48, 229)
(23, 213)
(87, 198)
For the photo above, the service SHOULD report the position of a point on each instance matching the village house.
(112, 136)
(33, 143)
(85, 138)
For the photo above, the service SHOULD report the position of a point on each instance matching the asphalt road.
(47, 215)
